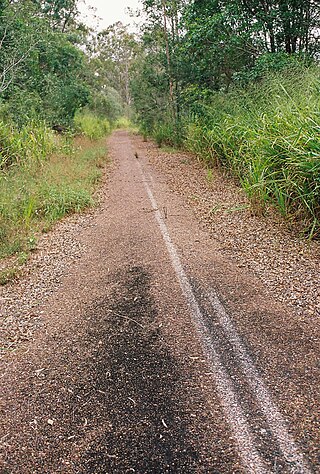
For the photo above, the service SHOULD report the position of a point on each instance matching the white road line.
(274, 418)
(236, 419)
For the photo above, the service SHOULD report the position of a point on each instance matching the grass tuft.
(91, 126)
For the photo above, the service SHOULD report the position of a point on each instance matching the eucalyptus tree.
(287, 25)
(224, 37)
(158, 68)
(112, 56)
(62, 14)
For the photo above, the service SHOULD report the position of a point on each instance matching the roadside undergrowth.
(267, 135)
(35, 194)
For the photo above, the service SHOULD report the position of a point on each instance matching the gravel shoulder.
(263, 245)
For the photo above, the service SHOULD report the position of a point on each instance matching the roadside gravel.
(56, 251)
(20, 300)
(263, 245)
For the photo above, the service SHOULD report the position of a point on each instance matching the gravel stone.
(289, 266)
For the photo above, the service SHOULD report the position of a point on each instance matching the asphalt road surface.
(159, 355)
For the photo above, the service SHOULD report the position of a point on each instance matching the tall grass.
(90, 125)
(123, 122)
(31, 142)
(33, 198)
(268, 135)
(43, 177)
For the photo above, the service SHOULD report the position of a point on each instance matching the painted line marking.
(235, 416)
(274, 418)
(249, 455)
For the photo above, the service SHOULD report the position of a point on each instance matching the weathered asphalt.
(154, 358)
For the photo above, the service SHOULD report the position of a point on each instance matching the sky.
(109, 11)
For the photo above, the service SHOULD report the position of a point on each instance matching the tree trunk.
(165, 29)
(272, 40)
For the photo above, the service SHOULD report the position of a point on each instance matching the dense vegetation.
(237, 81)
(50, 92)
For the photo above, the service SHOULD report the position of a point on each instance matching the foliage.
(31, 142)
(124, 123)
(91, 126)
(149, 88)
(50, 78)
(61, 14)
(269, 63)
(157, 69)
(41, 69)
(211, 44)
(269, 136)
(34, 196)
(112, 53)
(107, 103)
(237, 82)
(212, 32)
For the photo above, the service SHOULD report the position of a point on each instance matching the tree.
(287, 25)
(61, 14)
(214, 45)
(159, 66)
(224, 37)
(41, 70)
(112, 57)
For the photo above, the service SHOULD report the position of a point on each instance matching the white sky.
(109, 12)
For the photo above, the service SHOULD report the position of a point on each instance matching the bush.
(91, 126)
(122, 122)
(269, 63)
(269, 136)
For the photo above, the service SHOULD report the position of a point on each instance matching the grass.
(169, 149)
(268, 135)
(34, 195)
(123, 123)
(9, 274)
(209, 175)
(164, 133)
(91, 126)
(95, 127)
(34, 142)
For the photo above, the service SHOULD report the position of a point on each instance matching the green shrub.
(269, 136)
(267, 63)
(91, 125)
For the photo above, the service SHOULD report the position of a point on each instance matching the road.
(158, 355)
